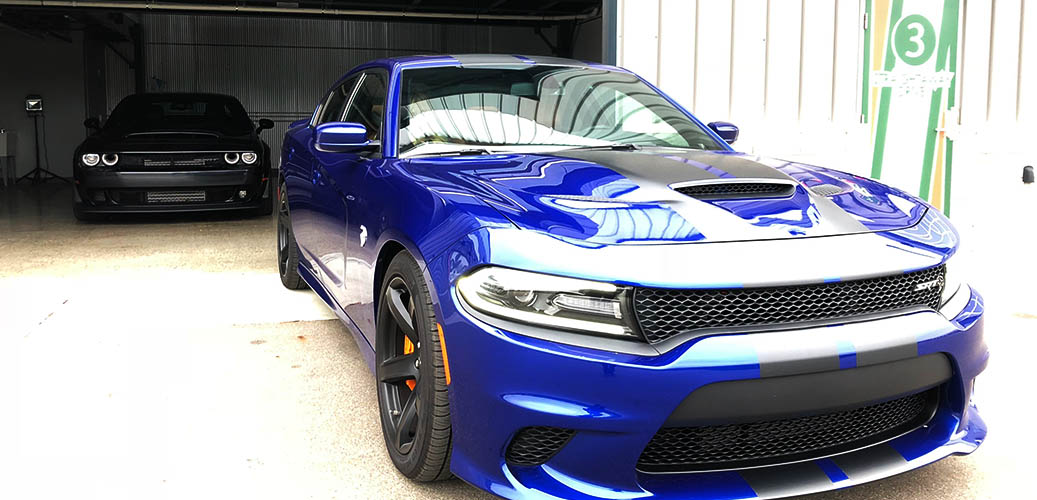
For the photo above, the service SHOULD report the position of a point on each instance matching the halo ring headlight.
(249, 158)
(110, 159)
(91, 159)
(231, 158)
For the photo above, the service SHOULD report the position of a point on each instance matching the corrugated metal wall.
(789, 73)
(118, 74)
(279, 67)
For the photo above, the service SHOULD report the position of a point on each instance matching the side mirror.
(264, 123)
(340, 137)
(92, 123)
(727, 131)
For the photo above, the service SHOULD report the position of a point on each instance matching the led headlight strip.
(549, 301)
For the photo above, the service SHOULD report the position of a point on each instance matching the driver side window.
(368, 104)
(335, 105)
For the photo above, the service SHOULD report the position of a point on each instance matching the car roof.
(474, 60)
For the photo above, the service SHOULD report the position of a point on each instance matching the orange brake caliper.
(408, 347)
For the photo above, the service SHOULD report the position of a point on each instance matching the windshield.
(143, 114)
(539, 107)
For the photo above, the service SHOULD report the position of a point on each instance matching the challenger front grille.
(665, 313)
(172, 161)
(536, 445)
(734, 190)
(675, 449)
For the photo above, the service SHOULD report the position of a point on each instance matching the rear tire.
(287, 249)
(409, 371)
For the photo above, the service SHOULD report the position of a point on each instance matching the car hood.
(628, 197)
(101, 143)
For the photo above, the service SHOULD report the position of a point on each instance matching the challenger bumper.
(615, 403)
(101, 191)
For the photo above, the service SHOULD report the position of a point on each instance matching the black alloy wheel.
(412, 391)
(287, 250)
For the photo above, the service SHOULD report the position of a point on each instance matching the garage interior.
(142, 357)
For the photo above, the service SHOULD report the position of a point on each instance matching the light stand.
(34, 107)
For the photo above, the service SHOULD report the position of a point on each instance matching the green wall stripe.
(883, 118)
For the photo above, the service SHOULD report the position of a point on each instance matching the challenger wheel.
(412, 390)
(287, 250)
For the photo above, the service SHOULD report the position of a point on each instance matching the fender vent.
(736, 190)
(828, 189)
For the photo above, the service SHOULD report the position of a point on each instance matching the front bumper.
(104, 191)
(503, 382)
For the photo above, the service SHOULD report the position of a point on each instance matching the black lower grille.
(664, 313)
(132, 197)
(777, 441)
(536, 445)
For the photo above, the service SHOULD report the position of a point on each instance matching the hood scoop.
(737, 190)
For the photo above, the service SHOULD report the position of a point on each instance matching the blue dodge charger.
(567, 286)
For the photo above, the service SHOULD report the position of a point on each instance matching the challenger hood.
(661, 195)
(172, 141)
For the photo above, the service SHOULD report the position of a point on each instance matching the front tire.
(412, 390)
(287, 249)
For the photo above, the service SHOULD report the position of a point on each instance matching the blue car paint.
(456, 214)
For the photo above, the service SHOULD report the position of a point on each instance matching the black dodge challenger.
(173, 153)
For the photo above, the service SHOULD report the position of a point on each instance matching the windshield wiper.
(459, 152)
(613, 147)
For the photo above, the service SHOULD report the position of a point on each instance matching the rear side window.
(368, 104)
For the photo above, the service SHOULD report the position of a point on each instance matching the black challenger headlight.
(550, 301)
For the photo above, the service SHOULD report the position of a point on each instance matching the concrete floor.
(163, 359)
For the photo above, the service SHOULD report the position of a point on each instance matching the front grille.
(778, 441)
(730, 190)
(175, 196)
(536, 445)
(172, 161)
(664, 313)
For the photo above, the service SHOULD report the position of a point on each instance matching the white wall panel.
(748, 58)
(815, 105)
(783, 59)
(1004, 61)
(713, 64)
(1027, 113)
(677, 28)
(639, 37)
(788, 72)
(975, 74)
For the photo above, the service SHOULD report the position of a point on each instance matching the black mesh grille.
(663, 313)
(777, 441)
(172, 161)
(737, 190)
(536, 445)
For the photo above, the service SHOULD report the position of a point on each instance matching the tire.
(287, 249)
(415, 418)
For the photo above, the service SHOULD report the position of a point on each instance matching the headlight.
(91, 159)
(231, 158)
(951, 284)
(109, 159)
(549, 301)
(249, 158)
